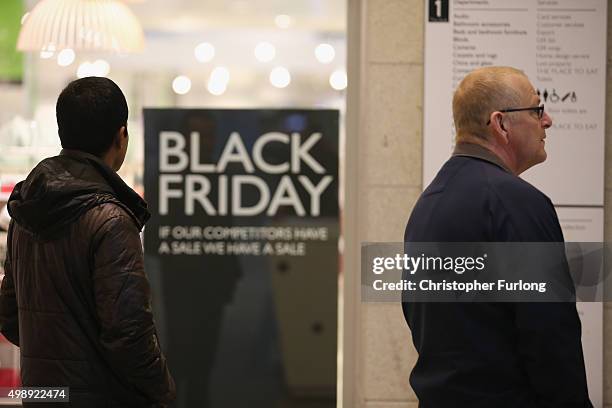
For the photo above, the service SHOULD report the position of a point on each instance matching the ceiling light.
(85, 70)
(98, 68)
(280, 77)
(181, 84)
(283, 21)
(65, 57)
(216, 88)
(338, 80)
(100, 25)
(101, 68)
(204, 52)
(220, 74)
(218, 80)
(264, 52)
(325, 53)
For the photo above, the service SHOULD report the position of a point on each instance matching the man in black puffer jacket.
(75, 297)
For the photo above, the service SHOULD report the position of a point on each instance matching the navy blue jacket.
(491, 354)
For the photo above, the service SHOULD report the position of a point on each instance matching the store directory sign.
(561, 46)
(242, 250)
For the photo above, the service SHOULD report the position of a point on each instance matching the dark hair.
(89, 113)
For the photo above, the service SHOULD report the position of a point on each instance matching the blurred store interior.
(197, 54)
(212, 54)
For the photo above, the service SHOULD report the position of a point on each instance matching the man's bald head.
(481, 92)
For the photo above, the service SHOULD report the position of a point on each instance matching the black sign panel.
(438, 11)
(242, 253)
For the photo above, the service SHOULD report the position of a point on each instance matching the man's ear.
(120, 136)
(499, 128)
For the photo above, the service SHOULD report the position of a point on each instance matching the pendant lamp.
(82, 25)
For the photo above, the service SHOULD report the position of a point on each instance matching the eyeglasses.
(538, 109)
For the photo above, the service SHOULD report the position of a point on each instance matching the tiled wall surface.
(390, 181)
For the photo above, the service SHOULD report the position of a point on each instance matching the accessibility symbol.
(553, 97)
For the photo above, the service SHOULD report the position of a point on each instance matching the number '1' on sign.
(438, 11)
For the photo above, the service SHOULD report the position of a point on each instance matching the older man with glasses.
(493, 354)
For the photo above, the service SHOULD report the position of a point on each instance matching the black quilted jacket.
(75, 297)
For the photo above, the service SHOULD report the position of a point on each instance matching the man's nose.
(546, 120)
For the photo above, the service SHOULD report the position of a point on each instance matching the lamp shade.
(85, 25)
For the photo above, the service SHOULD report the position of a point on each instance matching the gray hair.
(480, 93)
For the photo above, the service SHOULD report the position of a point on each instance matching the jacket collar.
(122, 192)
(78, 154)
(478, 152)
